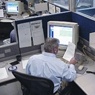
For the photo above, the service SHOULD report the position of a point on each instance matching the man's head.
(51, 45)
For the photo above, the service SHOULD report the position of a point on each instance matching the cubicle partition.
(88, 11)
(86, 26)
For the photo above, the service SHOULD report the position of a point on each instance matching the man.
(13, 36)
(25, 2)
(49, 66)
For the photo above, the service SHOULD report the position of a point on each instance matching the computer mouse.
(80, 67)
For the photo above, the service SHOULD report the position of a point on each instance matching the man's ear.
(55, 50)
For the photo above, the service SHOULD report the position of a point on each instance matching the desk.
(10, 84)
(6, 64)
(85, 81)
(10, 77)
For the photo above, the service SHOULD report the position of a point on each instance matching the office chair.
(32, 85)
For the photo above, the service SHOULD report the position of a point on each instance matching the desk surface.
(10, 75)
(85, 81)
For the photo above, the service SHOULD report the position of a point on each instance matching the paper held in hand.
(70, 51)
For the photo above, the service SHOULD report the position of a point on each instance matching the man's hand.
(73, 61)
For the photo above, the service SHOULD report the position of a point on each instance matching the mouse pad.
(80, 71)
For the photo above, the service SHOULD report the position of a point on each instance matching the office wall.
(90, 11)
(86, 25)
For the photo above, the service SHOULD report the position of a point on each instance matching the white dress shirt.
(48, 66)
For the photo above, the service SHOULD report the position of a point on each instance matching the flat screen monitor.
(64, 31)
(14, 7)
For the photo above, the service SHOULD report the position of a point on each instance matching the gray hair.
(50, 44)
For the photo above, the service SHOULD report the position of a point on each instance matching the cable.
(86, 56)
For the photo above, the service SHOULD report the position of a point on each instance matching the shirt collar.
(48, 54)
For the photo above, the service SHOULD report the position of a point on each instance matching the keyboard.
(16, 17)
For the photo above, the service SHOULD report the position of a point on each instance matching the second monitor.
(64, 31)
(14, 7)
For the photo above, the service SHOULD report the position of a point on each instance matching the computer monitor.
(14, 7)
(64, 31)
(41, 7)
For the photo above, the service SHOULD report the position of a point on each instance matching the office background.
(65, 15)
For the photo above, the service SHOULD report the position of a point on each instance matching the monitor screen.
(64, 31)
(14, 7)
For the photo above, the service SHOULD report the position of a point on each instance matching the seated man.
(12, 36)
(25, 2)
(49, 66)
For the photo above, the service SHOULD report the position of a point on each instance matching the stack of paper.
(3, 73)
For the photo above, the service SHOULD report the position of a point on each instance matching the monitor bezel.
(75, 29)
(20, 8)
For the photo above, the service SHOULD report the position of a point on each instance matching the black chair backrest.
(34, 85)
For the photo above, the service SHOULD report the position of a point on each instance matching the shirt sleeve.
(69, 73)
(28, 68)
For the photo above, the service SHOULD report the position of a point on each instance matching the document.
(24, 35)
(37, 32)
(24, 63)
(70, 51)
(58, 10)
(3, 73)
(91, 40)
(51, 8)
(1, 13)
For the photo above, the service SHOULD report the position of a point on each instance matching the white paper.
(70, 51)
(37, 32)
(1, 13)
(51, 8)
(24, 63)
(24, 35)
(3, 73)
(92, 40)
(58, 10)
